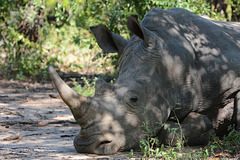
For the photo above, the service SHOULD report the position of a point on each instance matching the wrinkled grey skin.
(177, 63)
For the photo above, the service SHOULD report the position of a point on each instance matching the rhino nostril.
(105, 142)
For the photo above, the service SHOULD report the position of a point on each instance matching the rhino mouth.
(106, 147)
(103, 144)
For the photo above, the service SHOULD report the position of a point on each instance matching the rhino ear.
(146, 35)
(134, 26)
(108, 41)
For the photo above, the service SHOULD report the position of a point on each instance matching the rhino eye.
(133, 99)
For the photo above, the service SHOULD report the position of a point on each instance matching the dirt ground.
(36, 124)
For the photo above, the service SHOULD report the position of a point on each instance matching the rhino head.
(112, 120)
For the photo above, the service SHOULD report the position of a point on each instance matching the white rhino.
(176, 64)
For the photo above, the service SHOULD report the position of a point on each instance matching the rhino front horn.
(77, 103)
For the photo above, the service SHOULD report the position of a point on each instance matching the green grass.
(225, 148)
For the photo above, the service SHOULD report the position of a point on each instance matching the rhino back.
(208, 49)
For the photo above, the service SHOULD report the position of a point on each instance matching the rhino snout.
(106, 144)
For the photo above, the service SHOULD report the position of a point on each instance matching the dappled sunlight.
(186, 77)
(175, 67)
(186, 70)
(131, 120)
(227, 80)
(178, 81)
(33, 124)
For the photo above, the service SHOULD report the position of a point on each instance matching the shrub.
(35, 33)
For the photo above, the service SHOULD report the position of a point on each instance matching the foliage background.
(36, 33)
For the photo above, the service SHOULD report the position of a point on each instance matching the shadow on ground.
(36, 124)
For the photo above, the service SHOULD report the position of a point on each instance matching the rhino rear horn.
(108, 41)
(76, 103)
(146, 35)
(102, 87)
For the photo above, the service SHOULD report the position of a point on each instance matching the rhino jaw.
(106, 144)
(103, 145)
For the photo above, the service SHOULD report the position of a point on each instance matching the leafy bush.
(35, 33)
(24, 57)
(88, 89)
